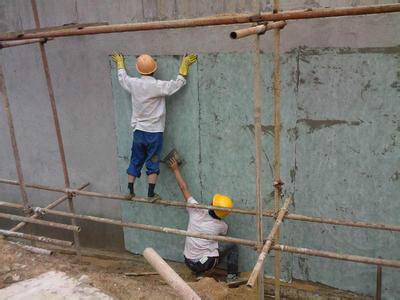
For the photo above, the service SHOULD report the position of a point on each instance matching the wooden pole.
(209, 21)
(169, 275)
(50, 206)
(40, 222)
(259, 29)
(7, 109)
(20, 43)
(35, 238)
(277, 147)
(266, 213)
(267, 246)
(56, 122)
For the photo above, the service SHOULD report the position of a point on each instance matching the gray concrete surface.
(81, 76)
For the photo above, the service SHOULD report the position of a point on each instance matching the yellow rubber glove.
(119, 60)
(186, 62)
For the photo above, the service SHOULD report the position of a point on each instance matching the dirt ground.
(108, 275)
(107, 271)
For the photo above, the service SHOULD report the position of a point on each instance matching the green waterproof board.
(340, 155)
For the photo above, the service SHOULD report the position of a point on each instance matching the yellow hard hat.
(222, 201)
(145, 64)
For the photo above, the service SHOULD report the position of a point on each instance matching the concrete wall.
(81, 76)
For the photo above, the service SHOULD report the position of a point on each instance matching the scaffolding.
(263, 21)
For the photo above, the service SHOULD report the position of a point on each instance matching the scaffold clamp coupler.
(39, 211)
(70, 193)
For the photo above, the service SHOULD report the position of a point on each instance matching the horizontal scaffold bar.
(20, 43)
(50, 206)
(207, 21)
(37, 238)
(339, 256)
(245, 242)
(267, 213)
(40, 222)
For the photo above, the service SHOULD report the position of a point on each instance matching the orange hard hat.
(145, 64)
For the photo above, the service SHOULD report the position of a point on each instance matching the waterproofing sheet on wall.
(340, 154)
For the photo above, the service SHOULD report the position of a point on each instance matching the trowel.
(173, 154)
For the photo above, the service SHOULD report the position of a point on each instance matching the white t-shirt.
(148, 99)
(201, 221)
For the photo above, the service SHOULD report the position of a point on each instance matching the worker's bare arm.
(173, 165)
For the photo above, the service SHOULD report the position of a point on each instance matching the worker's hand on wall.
(119, 60)
(172, 164)
(186, 62)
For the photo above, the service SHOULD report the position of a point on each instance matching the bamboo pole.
(35, 238)
(40, 222)
(339, 256)
(23, 42)
(277, 150)
(267, 246)
(259, 29)
(56, 122)
(209, 21)
(50, 206)
(266, 213)
(169, 275)
(6, 105)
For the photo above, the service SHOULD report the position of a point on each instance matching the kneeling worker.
(203, 255)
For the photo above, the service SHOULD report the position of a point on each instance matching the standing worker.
(148, 114)
(203, 255)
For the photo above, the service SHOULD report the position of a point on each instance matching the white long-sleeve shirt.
(148, 99)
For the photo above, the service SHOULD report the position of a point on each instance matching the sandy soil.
(106, 272)
(107, 275)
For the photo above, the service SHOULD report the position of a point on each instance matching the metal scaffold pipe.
(266, 213)
(23, 42)
(50, 206)
(208, 21)
(267, 246)
(36, 238)
(57, 126)
(40, 222)
(259, 29)
(339, 256)
(284, 248)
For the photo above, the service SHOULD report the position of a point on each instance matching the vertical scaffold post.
(277, 144)
(7, 110)
(56, 124)
(258, 145)
(378, 292)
